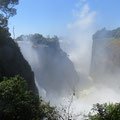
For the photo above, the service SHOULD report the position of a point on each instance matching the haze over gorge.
(59, 60)
(57, 78)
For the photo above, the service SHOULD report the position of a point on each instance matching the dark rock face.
(54, 71)
(105, 62)
(12, 61)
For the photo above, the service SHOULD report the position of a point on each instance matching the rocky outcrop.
(105, 63)
(53, 69)
(12, 61)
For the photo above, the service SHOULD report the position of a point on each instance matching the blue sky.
(53, 17)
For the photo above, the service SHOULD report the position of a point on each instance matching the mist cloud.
(80, 37)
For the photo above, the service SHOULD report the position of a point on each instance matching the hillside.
(54, 70)
(12, 61)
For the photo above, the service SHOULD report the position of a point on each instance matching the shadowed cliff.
(12, 61)
(105, 63)
(53, 69)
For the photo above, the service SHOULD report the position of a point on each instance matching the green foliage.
(17, 103)
(7, 10)
(105, 112)
(46, 42)
(38, 39)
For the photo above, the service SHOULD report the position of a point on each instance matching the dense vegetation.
(18, 103)
(38, 39)
(105, 112)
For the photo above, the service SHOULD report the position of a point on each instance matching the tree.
(7, 10)
(104, 112)
(17, 103)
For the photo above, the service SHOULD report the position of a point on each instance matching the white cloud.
(84, 17)
(82, 13)
(83, 23)
(78, 4)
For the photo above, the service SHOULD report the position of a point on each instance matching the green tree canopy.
(17, 103)
(105, 112)
(7, 10)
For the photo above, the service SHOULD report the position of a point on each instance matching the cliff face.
(53, 69)
(12, 61)
(105, 63)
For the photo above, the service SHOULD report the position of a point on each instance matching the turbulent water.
(84, 98)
